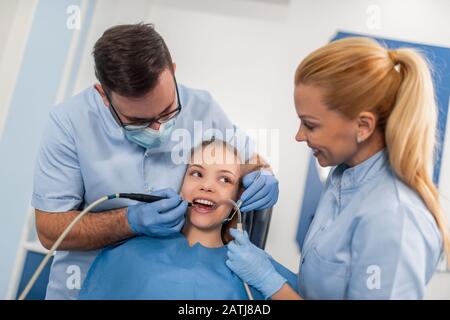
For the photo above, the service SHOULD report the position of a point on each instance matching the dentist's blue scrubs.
(85, 155)
(372, 237)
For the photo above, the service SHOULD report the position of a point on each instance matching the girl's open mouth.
(203, 205)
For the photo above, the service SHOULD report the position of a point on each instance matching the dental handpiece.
(140, 197)
(132, 196)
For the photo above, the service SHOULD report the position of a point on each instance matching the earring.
(358, 139)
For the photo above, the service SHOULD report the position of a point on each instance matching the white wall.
(245, 53)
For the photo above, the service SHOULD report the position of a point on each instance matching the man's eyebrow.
(168, 108)
(137, 119)
(146, 119)
(197, 165)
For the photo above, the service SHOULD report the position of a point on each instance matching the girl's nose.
(206, 186)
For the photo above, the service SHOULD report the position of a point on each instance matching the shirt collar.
(352, 177)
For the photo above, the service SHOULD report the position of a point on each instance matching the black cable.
(143, 197)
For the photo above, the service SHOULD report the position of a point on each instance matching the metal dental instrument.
(240, 228)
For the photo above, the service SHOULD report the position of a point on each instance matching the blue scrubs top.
(85, 155)
(372, 237)
(165, 268)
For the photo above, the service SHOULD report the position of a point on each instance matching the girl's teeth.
(206, 202)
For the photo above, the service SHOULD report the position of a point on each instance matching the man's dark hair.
(130, 58)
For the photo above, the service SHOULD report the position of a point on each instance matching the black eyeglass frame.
(137, 126)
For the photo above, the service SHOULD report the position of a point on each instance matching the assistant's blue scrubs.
(372, 237)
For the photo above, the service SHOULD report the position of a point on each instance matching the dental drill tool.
(132, 196)
(142, 197)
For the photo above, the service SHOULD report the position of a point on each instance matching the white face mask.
(150, 138)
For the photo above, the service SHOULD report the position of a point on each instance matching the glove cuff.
(131, 220)
(273, 282)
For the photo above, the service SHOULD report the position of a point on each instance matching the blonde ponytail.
(411, 132)
(358, 74)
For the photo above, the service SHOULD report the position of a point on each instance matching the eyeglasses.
(138, 126)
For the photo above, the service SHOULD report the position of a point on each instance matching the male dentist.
(116, 136)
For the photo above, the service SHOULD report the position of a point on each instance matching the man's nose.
(155, 126)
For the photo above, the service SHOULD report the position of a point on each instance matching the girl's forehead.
(215, 154)
(216, 164)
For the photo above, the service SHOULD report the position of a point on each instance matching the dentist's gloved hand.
(160, 218)
(261, 191)
(253, 265)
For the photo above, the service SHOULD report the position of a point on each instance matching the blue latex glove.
(160, 218)
(261, 191)
(253, 265)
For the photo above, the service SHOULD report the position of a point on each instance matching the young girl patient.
(191, 264)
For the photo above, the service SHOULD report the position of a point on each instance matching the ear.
(101, 91)
(367, 123)
(174, 66)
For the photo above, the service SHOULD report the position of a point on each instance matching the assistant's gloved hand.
(160, 218)
(261, 191)
(253, 265)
